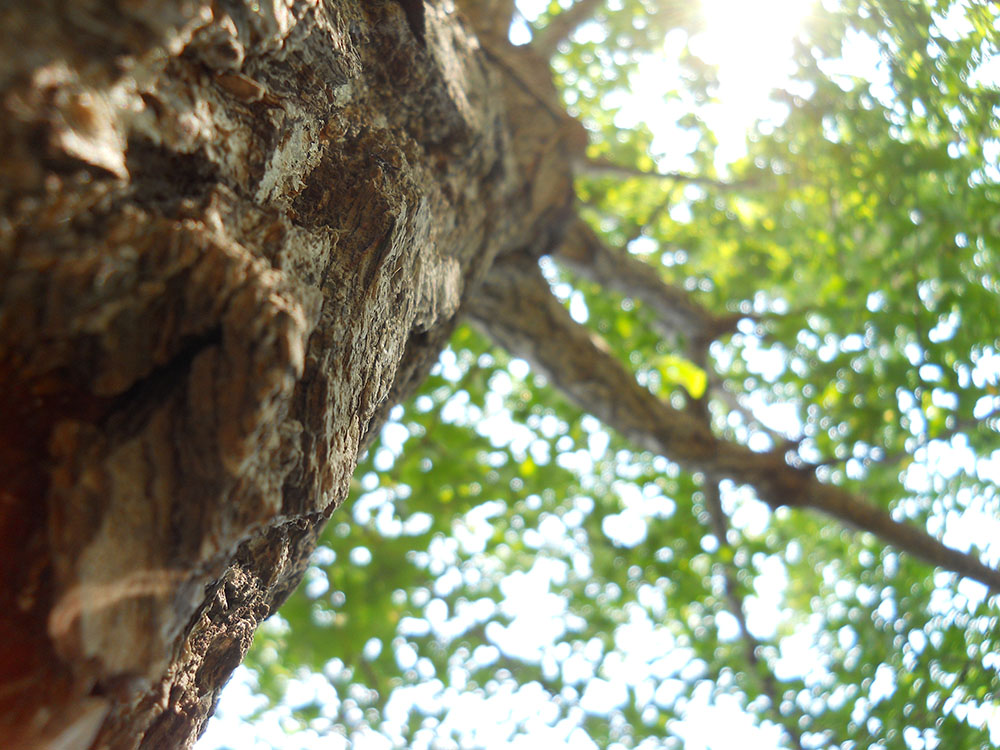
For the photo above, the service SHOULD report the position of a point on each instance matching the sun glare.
(750, 40)
(751, 43)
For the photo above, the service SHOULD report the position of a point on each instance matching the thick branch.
(547, 40)
(490, 18)
(586, 254)
(516, 308)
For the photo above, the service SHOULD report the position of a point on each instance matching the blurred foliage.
(502, 549)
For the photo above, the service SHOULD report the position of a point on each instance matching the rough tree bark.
(233, 235)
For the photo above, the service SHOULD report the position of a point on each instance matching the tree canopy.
(517, 564)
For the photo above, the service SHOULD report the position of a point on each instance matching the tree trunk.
(232, 237)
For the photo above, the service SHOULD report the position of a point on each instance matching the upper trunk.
(232, 237)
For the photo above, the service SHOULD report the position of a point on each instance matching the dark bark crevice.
(414, 10)
(129, 412)
(162, 178)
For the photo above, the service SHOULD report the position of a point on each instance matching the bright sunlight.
(751, 43)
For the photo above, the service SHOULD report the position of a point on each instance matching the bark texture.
(232, 236)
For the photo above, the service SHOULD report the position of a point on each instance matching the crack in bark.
(129, 411)
(414, 10)
(161, 178)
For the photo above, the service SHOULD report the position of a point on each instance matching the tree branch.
(518, 311)
(759, 670)
(547, 40)
(598, 167)
(490, 18)
(586, 254)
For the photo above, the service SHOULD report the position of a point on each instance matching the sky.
(751, 44)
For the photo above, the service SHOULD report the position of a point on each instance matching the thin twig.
(598, 167)
(751, 646)
(718, 389)
(677, 313)
(654, 216)
(547, 40)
